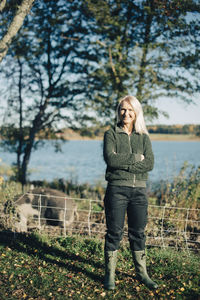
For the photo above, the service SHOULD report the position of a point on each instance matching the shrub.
(184, 191)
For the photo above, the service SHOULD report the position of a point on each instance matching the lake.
(82, 161)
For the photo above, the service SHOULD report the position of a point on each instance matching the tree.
(148, 48)
(21, 12)
(44, 60)
(82, 56)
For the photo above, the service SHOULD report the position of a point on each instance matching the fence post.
(39, 215)
(185, 231)
(89, 213)
(162, 226)
(14, 216)
(64, 221)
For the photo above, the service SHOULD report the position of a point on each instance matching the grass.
(39, 267)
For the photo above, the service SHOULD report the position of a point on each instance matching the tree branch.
(112, 65)
(15, 25)
(2, 5)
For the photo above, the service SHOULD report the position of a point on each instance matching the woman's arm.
(146, 164)
(115, 160)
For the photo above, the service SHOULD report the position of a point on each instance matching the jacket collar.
(119, 129)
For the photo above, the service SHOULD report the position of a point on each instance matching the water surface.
(82, 161)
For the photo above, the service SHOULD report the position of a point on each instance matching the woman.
(128, 155)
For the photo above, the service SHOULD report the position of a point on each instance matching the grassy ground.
(36, 267)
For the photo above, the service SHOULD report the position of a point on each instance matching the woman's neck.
(128, 128)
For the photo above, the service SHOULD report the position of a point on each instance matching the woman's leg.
(116, 200)
(115, 208)
(137, 220)
(137, 212)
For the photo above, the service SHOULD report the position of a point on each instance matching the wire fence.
(176, 227)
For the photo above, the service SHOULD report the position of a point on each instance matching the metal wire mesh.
(176, 227)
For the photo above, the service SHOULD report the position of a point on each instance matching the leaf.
(103, 294)
(11, 276)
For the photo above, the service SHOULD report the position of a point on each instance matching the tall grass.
(184, 191)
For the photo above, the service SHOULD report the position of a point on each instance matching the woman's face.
(126, 113)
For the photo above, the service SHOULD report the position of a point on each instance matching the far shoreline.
(153, 137)
(174, 137)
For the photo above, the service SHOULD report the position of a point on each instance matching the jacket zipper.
(129, 138)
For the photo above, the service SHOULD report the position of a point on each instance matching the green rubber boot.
(139, 259)
(110, 266)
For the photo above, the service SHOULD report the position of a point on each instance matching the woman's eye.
(123, 110)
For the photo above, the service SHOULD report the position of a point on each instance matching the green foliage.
(94, 247)
(72, 189)
(8, 192)
(45, 50)
(87, 246)
(32, 266)
(87, 132)
(5, 170)
(184, 191)
(10, 136)
(73, 60)
(174, 221)
(134, 43)
(175, 129)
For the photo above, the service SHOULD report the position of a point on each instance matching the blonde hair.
(139, 123)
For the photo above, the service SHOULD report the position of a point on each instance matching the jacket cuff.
(137, 157)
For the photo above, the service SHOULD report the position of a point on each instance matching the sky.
(179, 112)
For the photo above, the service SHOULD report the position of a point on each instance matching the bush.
(176, 219)
(184, 191)
(8, 191)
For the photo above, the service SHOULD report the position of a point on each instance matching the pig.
(44, 206)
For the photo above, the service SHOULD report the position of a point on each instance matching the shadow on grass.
(29, 244)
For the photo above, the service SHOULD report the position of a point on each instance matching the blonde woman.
(128, 155)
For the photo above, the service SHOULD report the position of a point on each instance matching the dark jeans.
(118, 201)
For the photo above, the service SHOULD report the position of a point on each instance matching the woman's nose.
(126, 112)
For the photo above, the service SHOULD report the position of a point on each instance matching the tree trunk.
(38, 124)
(21, 138)
(15, 25)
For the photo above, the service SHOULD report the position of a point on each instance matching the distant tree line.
(162, 129)
(175, 129)
(98, 132)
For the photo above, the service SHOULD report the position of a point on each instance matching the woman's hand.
(142, 157)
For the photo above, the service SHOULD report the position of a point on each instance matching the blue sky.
(179, 112)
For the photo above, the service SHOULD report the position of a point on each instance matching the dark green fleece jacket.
(122, 154)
